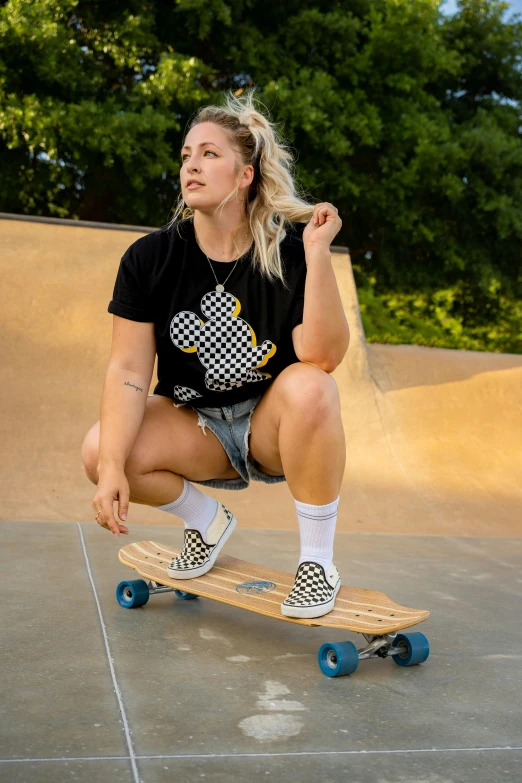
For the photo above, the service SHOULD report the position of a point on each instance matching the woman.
(248, 324)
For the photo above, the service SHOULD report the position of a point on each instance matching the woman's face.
(208, 158)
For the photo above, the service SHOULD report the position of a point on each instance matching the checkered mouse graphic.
(226, 345)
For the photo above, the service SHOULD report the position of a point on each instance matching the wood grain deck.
(237, 582)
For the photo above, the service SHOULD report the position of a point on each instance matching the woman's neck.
(217, 241)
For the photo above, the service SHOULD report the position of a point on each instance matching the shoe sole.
(309, 612)
(192, 573)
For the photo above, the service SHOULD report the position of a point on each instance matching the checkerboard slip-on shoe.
(198, 557)
(314, 591)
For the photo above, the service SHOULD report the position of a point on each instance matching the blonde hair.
(273, 200)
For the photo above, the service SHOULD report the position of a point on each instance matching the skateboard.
(258, 589)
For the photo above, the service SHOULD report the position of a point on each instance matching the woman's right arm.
(124, 396)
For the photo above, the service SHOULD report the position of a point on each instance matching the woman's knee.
(309, 389)
(89, 451)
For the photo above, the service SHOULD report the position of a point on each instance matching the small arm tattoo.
(138, 388)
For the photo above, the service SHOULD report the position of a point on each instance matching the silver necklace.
(219, 286)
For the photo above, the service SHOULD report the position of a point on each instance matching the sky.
(450, 6)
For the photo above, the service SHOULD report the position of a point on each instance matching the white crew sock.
(317, 529)
(195, 508)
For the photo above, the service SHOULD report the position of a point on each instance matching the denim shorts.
(231, 426)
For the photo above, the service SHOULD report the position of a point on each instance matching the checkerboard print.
(310, 588)
(194, 553)
(185, 329)
(224, 344)
(185, 393)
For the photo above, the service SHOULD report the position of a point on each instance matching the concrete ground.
(188, 690)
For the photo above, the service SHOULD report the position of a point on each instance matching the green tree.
(407, 120)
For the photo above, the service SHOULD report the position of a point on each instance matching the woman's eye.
(185, 155)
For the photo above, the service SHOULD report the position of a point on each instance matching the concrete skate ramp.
(433, 436)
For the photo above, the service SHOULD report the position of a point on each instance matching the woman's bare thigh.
(170, 439)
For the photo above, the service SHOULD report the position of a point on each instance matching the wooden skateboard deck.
(259, 589)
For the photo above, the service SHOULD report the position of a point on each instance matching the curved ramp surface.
(433, 436)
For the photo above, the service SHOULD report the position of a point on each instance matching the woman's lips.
(194, 186)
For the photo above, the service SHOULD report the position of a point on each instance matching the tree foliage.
(407, 120)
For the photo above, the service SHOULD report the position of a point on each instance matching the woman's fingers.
(321, 212)
(109, 523)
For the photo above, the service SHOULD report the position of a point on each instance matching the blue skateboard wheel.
(338, 658)
(132, 593)
(185, 596)
(416, 648)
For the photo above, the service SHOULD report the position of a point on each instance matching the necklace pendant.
(220, 287)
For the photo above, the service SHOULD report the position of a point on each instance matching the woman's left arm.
(325, 333)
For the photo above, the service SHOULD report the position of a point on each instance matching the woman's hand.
(112, 485)
(324, 225)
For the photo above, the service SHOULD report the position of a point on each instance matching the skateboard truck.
(154, 587)
(382, 646)
(128, 594)
(378, 647)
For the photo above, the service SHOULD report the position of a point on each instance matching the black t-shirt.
(214, 348)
